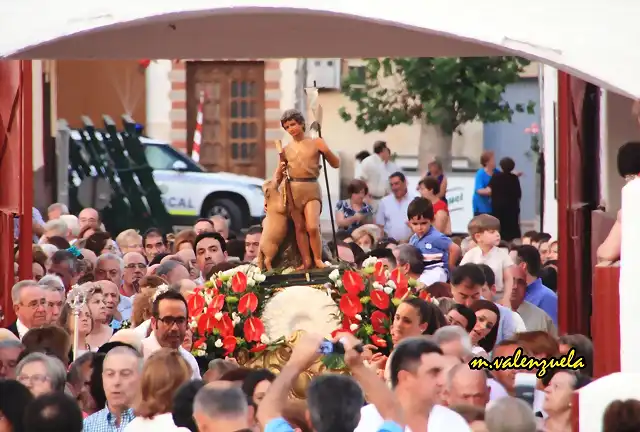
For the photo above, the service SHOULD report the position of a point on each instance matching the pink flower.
(527, 130)
(534, 128)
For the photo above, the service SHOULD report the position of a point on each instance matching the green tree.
(441, 93)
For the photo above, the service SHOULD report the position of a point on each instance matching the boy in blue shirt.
(439, 253)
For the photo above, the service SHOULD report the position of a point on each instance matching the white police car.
(190, 192)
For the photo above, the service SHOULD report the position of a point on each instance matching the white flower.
(387, 274)
(338, 283)
(200, 352)
(370, 262)
(193, 324)
(160, 290)
(251, 283)
(264, 339)
(236, 320)
(334, 275)
(218, 343)
(259, 277)
(353, 327)
(234, 315)
(391, 284)
(377, 286)
(435, 301)
(359, 317)
(388, 290)
(218, 316)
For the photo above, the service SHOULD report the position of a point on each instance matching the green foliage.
(441, 91)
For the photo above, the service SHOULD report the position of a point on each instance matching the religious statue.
(297, 174)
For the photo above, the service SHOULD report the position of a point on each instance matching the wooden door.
(233, 121)
(578, 112)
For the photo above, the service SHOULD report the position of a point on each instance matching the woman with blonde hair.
(163, 372)
(101, 332)
(85, 325)
(184, 240)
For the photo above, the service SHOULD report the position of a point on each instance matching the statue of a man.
(302, 171)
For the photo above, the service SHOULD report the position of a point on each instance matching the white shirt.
(441, 419)
(537, 319)
(519, 322)
(392, 216)
(375, 172)
(159, 423)
(497, 258)
(22, 329)
(143, 329)
(125, 307)
(151, 345)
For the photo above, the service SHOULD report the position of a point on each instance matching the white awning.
(590, 38)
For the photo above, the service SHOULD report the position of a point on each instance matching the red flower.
(253, 329)
(401, 281)
(224, 325)
(380, 299)
(352, 282)
(144, 63)
(346, 323)
(258, 348)
(424, 295)
(229, 344)
(195, 302)
(219, 283)
(379, 322)
(248, 303)
(379, 273)
(239, 282)
(206, 323)
(216, 304)
(350, 305)
(378, 341)
(197, 344)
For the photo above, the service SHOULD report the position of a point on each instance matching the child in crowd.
(438, 251)
(484, 229)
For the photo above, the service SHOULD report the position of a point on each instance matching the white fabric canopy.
(592, 39)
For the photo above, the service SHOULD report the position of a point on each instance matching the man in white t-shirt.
(415, 366)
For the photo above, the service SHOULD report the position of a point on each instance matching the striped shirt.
(104, 421)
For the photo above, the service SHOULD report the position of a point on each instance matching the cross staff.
(315, 131)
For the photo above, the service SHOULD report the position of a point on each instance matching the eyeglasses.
(33, 379)
(169, 321)
(33, 304)
(136, 265)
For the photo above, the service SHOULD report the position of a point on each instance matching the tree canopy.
(446, 92)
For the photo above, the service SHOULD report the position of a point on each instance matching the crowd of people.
(132, 368)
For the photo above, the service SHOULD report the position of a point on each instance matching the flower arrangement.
(367, 300)
(225, 314)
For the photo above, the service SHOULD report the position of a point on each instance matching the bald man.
(89, 217)
(466, 386)
(448, 363)
(221, 226)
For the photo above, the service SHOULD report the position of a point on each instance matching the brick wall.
(178, 96)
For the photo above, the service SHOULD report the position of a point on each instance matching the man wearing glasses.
(29, 304)
(169, 323)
